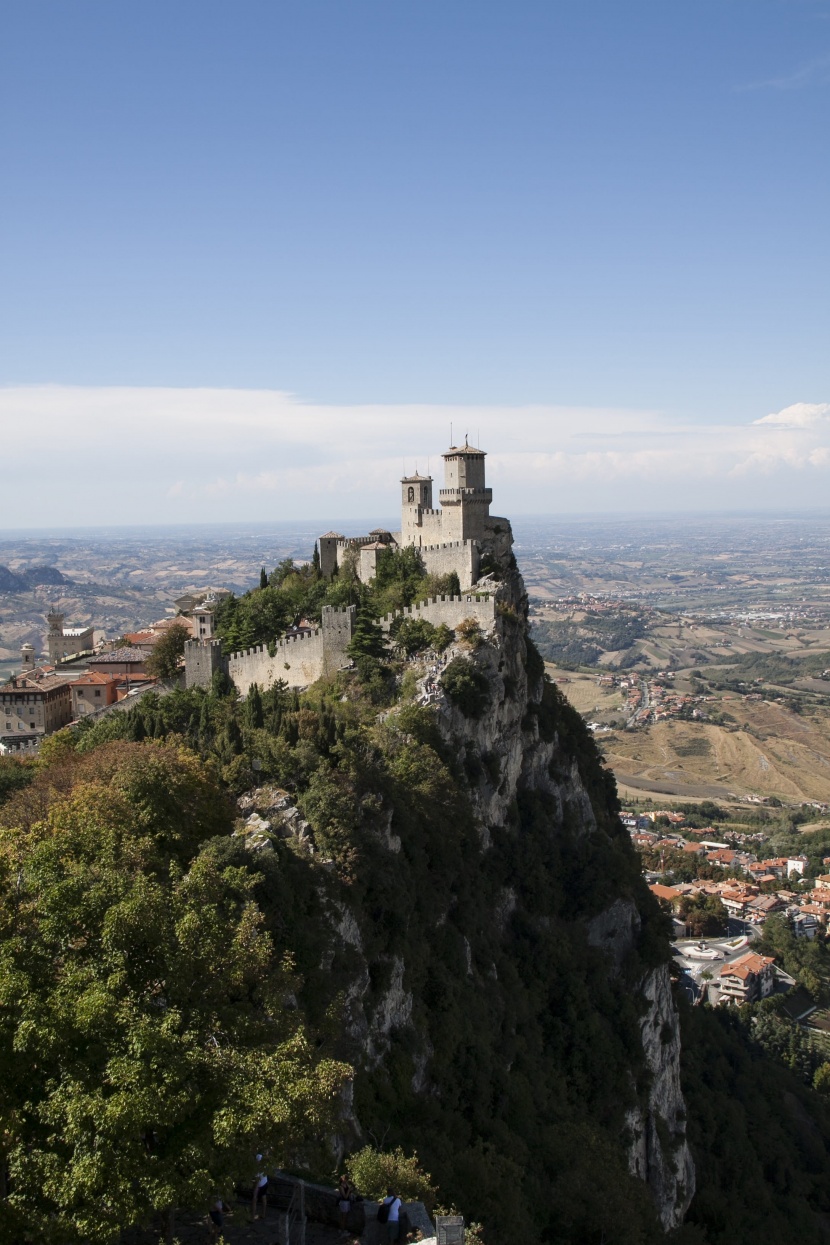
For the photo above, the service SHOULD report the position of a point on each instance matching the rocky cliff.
(499, 968)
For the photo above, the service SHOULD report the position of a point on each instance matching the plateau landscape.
(415, 623)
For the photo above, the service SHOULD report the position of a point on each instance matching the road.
(644, 704)
(738, 940)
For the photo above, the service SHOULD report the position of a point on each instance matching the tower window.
(410, 494)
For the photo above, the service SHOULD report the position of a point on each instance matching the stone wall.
(297, 660)
(449, 610)
(461, 556)
(201, 659)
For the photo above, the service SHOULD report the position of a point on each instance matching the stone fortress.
(453, 537)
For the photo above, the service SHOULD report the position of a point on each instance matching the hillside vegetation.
(282, 922)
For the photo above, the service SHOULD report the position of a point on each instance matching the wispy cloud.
(125, 455)
(812, 72)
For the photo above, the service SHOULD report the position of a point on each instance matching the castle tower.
(27, 658)
(465, 498)
(416, 497)
(327, 546)
(54, 637)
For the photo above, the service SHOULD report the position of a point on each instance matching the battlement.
(449, 610)
(352, 542)
(287, 641)
(448, 544)
(465, 494)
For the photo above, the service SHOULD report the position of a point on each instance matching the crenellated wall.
(461, 556)
(449, 610)
(297, 660)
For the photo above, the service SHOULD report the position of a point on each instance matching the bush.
(413, 635)
(466, 686)
(469, 633)
(375, 1172)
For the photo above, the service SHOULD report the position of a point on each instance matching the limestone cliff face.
(400, 980)
(516, 759)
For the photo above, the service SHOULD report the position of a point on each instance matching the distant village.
(79, 675)
(754, 890)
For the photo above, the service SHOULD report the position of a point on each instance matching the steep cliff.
(480, 937)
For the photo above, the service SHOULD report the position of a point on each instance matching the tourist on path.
(345, 1195)
(260, 1191)
(216, 1218)
(393, 1223)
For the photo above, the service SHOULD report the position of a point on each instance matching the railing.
(294, 1218)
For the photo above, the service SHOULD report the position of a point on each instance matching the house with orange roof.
(666, 894)
(748, 978)
(92, 691)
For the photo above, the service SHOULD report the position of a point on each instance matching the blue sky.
(585, 207)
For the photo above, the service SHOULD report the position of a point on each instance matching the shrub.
(413, 635)
(466, 686)
(374, 1172)
(469, 633)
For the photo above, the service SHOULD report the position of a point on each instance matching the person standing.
(345, 1194)
(260, 1190)
(216, 1218)
(393, 1221)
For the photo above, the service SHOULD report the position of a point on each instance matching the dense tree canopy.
(146, 1046)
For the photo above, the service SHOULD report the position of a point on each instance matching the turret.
(465, 498)
(416, 497)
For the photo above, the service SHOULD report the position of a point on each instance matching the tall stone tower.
(416, 498)
(465, 498)
(54, 637)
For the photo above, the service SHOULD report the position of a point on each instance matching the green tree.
(315, 560)
(163, 661)
(145, 1047)
(367, 639)
(705, 915)
(466, 686)
(374, 1172)
(253, 708)
(263, 578)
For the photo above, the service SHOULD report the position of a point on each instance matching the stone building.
(449, 538)
(299, 659)
(93, 691)
(64, 642)
(32, 705)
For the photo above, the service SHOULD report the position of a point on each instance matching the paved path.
(191, 1229)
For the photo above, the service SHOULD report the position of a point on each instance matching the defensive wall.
(449, 610)
(461, 556)
(297, 660)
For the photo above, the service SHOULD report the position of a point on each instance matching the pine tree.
(367, 639)
(253, 708)
(263, 578)
(315, 560)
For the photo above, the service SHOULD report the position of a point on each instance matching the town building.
(32, 705)
(129, 661)
(62, 642)
(93, 691)
(748, 978)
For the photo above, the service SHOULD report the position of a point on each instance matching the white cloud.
(121, 455)
(799, 415)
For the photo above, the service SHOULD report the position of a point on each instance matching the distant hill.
(32, 577)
